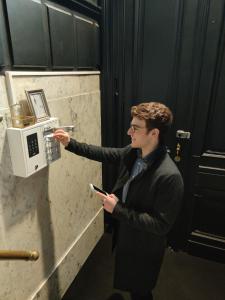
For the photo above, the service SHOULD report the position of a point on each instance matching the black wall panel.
(27, 33)
(1, 40)
(56, 35)
(96, 46)
(62, 38)
(4, 49)
(85, 40)
(88, 8)
(95, 2)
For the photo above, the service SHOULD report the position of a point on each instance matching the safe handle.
(68, 128)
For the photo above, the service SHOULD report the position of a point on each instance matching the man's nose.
(129, 131)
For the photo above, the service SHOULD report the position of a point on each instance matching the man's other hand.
(108, 202)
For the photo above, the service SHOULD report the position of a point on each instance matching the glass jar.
(19, 120)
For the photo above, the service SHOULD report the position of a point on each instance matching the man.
(145, 199)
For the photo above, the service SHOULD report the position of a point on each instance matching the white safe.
(33, 148)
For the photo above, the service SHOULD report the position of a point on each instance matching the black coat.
(152, 204)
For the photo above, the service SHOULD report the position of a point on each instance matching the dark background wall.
(173, 52)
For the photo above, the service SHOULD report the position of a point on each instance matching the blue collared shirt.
(139, 165)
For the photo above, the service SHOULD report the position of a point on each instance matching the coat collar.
(132, 155)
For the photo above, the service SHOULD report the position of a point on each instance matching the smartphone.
(96, 189)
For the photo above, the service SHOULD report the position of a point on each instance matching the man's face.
(140, 136)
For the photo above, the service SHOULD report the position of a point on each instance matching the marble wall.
(52, 211)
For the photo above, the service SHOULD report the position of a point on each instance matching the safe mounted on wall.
(33, 148)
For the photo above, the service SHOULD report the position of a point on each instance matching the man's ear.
(155, 132)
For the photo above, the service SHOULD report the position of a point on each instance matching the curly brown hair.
(155, 114)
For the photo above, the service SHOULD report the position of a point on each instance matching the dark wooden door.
(199, 109)
(207, 168)
(173, 52)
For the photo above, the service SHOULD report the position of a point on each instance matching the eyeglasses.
(135, 128)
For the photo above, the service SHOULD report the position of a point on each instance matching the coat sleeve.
(97, 153)
(167, 205)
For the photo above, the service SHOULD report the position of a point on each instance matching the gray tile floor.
(182, 277)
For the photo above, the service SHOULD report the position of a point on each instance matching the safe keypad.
(32, 143)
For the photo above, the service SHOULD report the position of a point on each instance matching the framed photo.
(38, 104)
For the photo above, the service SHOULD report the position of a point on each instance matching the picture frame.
(38, 104)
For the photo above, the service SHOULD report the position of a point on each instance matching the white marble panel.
(70, 264)
(89, 84)
(56, 86)
(72, 172)
(49, 211)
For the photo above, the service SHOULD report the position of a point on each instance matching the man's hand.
(62, 136)
(109, 201)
